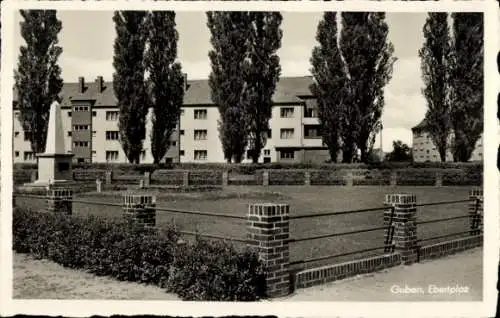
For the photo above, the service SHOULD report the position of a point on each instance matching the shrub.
(287, 177)
(209, 270)
(205, 177)
(416, 177)
(328, 178)
(167, 177)
(105, 247)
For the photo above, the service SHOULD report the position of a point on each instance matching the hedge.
(290, 177)
(415, 177)
(202, 270)
(371, 177)
(167, 177)
(205, 177)
(328, 178)
(235, 178)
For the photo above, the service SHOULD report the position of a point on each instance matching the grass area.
(302, 200)
(42, 279)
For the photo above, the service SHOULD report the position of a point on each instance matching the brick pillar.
(185, 178)
(60, 200)
(265, 178)
(109, 177)
(307, 178)
(394, 178)
(225, 178)
(439, 179)
(34, 176)
(349, 179)
(405, 225)
(140, 209)
(147, 179)
(475, 210)
(268, 230)
(98, 184)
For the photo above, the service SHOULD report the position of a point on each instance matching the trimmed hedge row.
(205, 177)
(371, 177)
(124, 168)
(292, 177)
(328, 178)
(416, 177)
(245, 179)
(167, 177)
(202, 270)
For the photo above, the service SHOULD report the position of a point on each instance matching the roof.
(421, 126)
(288, 90)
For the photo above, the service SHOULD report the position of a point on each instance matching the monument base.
(41, 185)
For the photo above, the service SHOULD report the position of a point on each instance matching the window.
(311, 112)
(286, 112)
(269, 133)
(69, 114)
(286, 133)
(28, 156)
(94, 153)
(428, 151)
(16, 154)
(200, 135)
(181, 153)
(26, 135)
(200, 114)
(182, 132)
(94, 133)
(80, 127)
(112, 135)
(81, 108)
(80, 160)
(16, 114)
(94, 113)
(311, 131)
(81, 143)
(69, 133)
(287, 154)
(111, 155)
(112, 115)
(200, 155)
(182, 112)
(16, 133)
(173, 143)
(267, 152)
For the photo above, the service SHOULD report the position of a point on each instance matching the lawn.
(302, 200)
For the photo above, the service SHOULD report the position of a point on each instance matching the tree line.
(351, 65)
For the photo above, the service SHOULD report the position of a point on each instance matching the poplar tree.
(38, 76)
(261, 70)
(467, 83)
(129, 80)
(165, 78)
(369, 61)
(228, 38)
(435, 63)
(329, 83)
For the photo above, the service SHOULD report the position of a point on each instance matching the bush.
(328, 178)
(167, 177)
(106, 247)
(205, 177)
(415, 177)
(287, 177)
(210, 271)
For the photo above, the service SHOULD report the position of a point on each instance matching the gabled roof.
(288, 90)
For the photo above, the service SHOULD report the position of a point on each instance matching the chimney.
(81, 84)
(100, 84)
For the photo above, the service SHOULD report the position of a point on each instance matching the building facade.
(90, 120)
(424, 149)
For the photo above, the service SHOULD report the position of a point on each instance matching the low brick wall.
(450, 247)
(325, 274)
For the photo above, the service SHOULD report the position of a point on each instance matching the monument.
(54, 165)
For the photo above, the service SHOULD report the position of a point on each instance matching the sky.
(87, 40)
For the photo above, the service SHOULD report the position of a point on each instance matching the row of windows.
(80, 127)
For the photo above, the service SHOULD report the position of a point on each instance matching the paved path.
(463, 270)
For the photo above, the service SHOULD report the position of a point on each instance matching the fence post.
(475, 210)
(394, 178)
(34, 176)
(265, 178)
(140, 209)
(307, 178)
(147, 179)
(268, 230)
(60, 200)
(185, 178)
(350, 179)
(405, 225)
(225, 178)
(109, 176)
(439, 179)
(98, 184)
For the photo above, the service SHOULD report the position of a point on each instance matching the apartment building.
(424, 149)
(90, 120)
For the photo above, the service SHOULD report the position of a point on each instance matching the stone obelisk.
(54, 165)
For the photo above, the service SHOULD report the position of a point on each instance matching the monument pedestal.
(53, 169)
